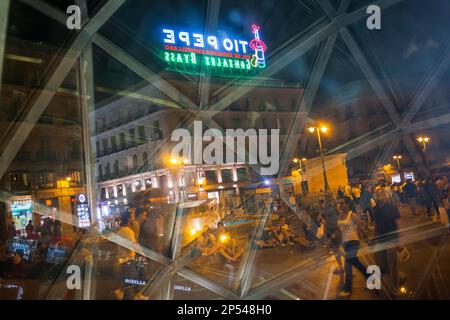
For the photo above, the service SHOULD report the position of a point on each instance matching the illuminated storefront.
(22, 211)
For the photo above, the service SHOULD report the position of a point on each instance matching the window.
(103, 193)
(135, 162)
(128, 188)
(116, 168)
(97, 147)
(105, 145)
(242, 174)
(111, 192)
(211, 177)
(46, 179)
(132, 137)
(100, 171)
(75, 177)
(123, 142)
(108, 170)
(156, 131)
(125, 166)
(145, 160)
(141, 134)
(120, 190)
(113, 143)
(227, 175)
(19, 180)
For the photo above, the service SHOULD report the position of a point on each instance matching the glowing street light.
(300, 169)
(424, 141)
(398, 157)
(322, 129)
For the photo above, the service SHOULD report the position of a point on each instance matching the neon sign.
(189, 52)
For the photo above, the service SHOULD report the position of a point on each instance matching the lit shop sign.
(22, 205)
(182, 288)
(82, 211)
(135, 282)
(185, 51)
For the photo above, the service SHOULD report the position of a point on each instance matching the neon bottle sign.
(185, 51)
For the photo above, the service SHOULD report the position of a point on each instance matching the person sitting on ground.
(227, 245)
(285, 233)
(268, 237)
(206, 242)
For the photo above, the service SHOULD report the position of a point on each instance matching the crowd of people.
(341, 222)
(32, 264)
(354, 215)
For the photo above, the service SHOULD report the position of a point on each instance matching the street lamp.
(398, 157)
(300, 162)
(423, 141)
(322, 129)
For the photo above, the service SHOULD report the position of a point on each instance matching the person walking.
(410, 191)
(12, 232)
(329, 213)
(386, 216)
(348, 224)
(431, 193)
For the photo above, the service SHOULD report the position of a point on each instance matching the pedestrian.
(410, 191)
(386, 216)
(126, 259)
(57, 229)
(356, 192)
(349, 224)
(431, 194)
(29, 229)
(135, 226)
(365, 202)
(329, 213)
(12, 232)
(348, 191)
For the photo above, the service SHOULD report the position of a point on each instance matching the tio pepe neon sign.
(184, 50)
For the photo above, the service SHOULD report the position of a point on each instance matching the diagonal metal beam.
(379, 90)
(301, 115)
(48, 10)
(375, 83)
(429, 82)
(212, 16)
(245, 274)
(208, 284)
(145, 73)
(294, 49)
(57, 77)
(4, 13)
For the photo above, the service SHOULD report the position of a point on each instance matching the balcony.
(131, 117)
